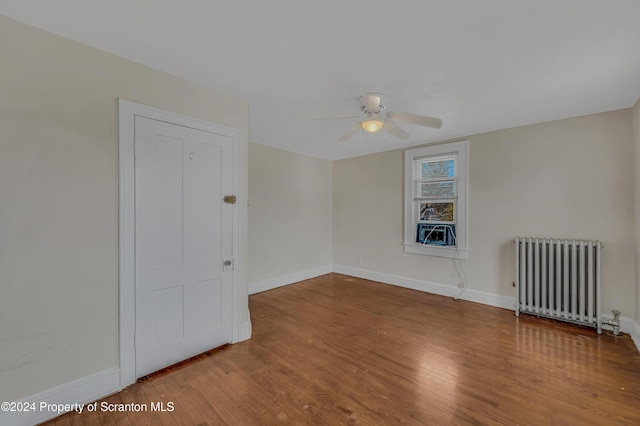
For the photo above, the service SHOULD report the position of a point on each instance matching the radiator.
(559, 279)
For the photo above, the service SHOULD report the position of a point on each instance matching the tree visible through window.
(436, 212)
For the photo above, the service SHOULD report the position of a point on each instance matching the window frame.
(461, 150)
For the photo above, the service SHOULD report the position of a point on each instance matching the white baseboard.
(627, 325)
(430, 287)
(81, 391)
(294, 277)
(635, 333)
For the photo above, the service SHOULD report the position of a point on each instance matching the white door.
(183, 236)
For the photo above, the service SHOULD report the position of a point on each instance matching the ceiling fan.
(373, 118)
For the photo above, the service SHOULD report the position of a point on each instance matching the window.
(436, 200)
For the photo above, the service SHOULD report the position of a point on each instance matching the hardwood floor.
(341, 350)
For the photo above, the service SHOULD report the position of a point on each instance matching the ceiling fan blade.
(336, 117)
(352, 131)
(395, 130)
(420, 120)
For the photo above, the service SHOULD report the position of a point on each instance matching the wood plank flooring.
(340, 350)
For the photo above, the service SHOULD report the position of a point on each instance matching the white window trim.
(461, 251)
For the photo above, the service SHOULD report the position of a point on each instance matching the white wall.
(569, 178)
(290, 209)
(59, 200)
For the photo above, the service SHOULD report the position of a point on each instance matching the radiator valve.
(615, 322)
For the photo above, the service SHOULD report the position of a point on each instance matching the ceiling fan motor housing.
(373, 103)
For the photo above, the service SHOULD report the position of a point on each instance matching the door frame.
(127, 111)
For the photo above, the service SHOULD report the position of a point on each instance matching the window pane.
(438, 168)
(436, 212)
(435, 234)
(438, 189)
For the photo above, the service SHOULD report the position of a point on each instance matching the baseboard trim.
(635, 333)
(482, 297)
(294, 277)
(82, 391)
(627, 325)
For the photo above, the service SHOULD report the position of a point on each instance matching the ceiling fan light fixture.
(372, 120)
(372, 125)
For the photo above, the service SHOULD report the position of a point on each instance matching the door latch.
(227, 265)
(230, 199)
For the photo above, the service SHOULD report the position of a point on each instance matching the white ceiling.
(480, 65)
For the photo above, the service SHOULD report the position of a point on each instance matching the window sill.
(450, 252)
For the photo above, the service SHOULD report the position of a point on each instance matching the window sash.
(421, 181)
(418, 164)
(437, 197)
(439, 188)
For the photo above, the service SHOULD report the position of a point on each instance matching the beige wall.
(59, 199)
(569, 178)
(290, 198)
(636, 143)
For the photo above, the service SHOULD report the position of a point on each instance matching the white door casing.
(128, 114)
(183, 237)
